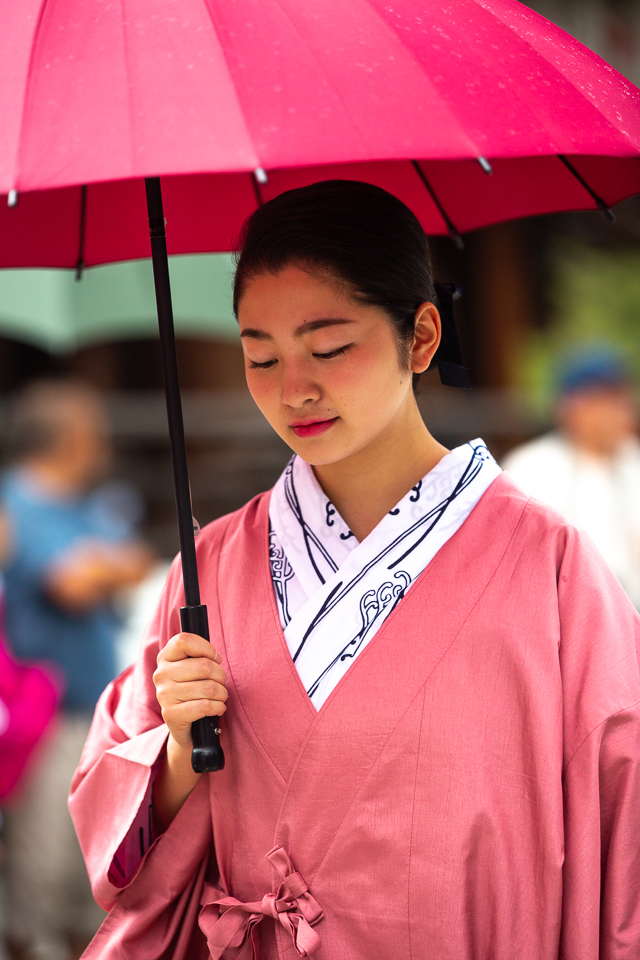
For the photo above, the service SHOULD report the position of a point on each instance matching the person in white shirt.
(589, 468)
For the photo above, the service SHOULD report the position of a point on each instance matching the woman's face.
(326, 372)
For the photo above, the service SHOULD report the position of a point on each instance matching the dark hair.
(360, 234)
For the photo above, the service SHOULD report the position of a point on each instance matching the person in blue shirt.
(73, 550)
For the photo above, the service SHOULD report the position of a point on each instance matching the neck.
(366, 485)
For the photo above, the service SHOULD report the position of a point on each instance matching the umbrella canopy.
(49, 309)
(256, 96)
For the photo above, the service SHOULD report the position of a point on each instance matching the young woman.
(428, 683)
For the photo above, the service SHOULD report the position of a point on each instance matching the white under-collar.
(333, 593)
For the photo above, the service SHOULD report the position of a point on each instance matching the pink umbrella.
(471, 111)
(103, 94)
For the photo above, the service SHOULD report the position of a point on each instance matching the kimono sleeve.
(599, 656)
(124, 747)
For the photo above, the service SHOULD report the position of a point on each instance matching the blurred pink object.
(29, 697)
(480, 99)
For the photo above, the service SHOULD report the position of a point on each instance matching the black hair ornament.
(448, 356)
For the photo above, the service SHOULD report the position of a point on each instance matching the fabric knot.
(230, 926)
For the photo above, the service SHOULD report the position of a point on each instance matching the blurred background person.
(589, 468)
(73, 550)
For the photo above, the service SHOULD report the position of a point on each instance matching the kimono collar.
(334, 593)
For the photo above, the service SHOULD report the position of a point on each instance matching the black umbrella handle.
(207, 755)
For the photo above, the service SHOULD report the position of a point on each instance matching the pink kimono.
(469, 791)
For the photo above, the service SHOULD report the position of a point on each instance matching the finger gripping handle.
(207, 755)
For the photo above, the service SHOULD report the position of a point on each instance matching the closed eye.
(253, 365)
(334, 353)
(261, 366)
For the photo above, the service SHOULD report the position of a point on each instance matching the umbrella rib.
(330, 82)
(80, 264)
(608, 212)
(453, 233)
(528, 11)
(130, 86)
(26, 94)
(242, 110)
(473, 146)
(256, 189)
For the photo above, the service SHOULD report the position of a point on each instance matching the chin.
(318, 454)
(323, 450)
(317, 451)
(317, 458)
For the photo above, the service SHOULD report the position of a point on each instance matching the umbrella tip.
(261, 175)
(12, 198)
(486, 166)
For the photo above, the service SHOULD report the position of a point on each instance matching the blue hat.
(592, 368)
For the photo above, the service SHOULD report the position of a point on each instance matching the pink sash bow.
(231, 926)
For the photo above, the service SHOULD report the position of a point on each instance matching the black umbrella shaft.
(172, 391)
(207, 755)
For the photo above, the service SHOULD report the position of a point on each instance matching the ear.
(426, 338)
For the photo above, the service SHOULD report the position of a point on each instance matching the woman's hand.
(190, 684)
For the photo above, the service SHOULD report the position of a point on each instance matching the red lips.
(311, 428)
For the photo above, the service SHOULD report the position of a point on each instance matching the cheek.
(261, 387)
(265, 388)
(373, 375)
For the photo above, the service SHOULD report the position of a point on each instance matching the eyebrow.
(300, 331)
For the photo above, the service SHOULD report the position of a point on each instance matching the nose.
(298, 386)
